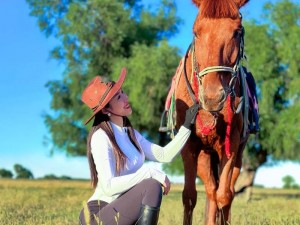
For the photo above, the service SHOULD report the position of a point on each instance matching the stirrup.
(164, 128)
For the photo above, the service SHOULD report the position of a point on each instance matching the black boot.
(148, 216)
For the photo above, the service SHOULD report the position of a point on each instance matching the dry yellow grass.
(36, 202)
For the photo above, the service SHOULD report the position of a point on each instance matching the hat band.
(104, 96)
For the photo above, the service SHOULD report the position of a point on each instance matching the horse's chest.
(209, 141)
(211, 131)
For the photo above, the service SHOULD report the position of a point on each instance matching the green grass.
(37, 202)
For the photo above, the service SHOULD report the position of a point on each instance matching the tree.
(273, 50)
(50, 177)
(289, 182)
(54, 177)
(100, 37)
(5, 173)
(22, 172)
(285, 138)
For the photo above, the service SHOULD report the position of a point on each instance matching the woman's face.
(119, 104)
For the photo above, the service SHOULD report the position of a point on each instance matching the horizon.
(25, 69)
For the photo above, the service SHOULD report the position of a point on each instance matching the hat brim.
(117, 86)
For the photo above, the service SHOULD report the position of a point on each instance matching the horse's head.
(218, 45)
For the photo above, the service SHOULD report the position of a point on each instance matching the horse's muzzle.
(213, 101)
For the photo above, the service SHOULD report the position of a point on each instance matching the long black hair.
(101, 121)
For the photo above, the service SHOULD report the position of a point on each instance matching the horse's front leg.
(189, 194)
(238, 163)
(206, 173)
(228, 176)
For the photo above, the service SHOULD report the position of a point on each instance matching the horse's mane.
(219, 9)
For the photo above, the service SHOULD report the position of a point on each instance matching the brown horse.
(211, 79)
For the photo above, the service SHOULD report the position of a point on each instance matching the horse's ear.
(197, 2)
(241, 3)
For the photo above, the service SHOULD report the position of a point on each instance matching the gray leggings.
(125, 210)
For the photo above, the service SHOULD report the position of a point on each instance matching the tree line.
(20, 172)
(23, 173)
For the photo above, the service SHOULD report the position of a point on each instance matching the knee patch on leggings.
(153, 193)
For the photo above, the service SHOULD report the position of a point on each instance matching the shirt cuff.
(158, 175)
(183, 129)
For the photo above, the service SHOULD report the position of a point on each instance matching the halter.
(233, 70)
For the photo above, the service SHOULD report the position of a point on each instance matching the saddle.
(253, 113)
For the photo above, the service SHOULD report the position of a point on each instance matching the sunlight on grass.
(32, 202)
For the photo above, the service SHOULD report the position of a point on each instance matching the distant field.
(37, 202)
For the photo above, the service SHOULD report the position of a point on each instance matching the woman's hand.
(190, 116)
(166, 186)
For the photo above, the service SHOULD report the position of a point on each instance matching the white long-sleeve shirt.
(109, 185)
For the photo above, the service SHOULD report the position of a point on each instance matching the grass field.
(37, 202)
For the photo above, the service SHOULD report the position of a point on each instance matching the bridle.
(200, 74)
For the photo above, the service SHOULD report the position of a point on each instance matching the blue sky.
(25, 67)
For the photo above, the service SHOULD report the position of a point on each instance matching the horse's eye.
(237, 33)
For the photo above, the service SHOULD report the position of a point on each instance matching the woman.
(126, 190)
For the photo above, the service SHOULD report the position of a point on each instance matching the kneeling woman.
(127, 191)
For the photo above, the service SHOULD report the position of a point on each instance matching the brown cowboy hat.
(98, 93)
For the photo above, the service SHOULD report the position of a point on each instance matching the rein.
(189, 87)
